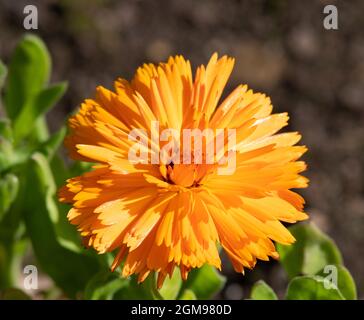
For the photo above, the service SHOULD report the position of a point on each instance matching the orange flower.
(159, 216)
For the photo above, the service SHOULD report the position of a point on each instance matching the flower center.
(186, 175)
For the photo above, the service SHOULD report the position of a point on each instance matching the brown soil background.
(281, 48)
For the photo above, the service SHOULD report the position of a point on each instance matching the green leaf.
(3, 73)
(11, 156)
(12, 251)
(311, 288)
(104, 285)
(345, 282)
(205, 282)
(188, 295)
(261, 291)
(29, 71)
(66, 233)
(5, 129)
(137, 291)
(171, 286)
(50, 147)
(9, 186)
(14, 294)
(70, 271)
(6, 154)
(80, 167)
(311, 252)
(37, 107)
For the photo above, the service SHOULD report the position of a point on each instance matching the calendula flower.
(162, 214)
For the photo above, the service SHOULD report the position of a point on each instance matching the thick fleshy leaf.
(40, 212)
(7, 154)
(171, 286)
(12, 251)
(29, 71)
(312, 288)
(311, 252)
(104, 285)
(340, 277)
(261, 291)
(138, 291)
(66, 233)
(50, 147)
(36, 107)
(205, 282)
(5, 129)
(9, 185)
(188, 295)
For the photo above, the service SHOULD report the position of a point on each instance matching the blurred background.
(281, 48)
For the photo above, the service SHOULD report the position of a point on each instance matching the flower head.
(163, 214)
